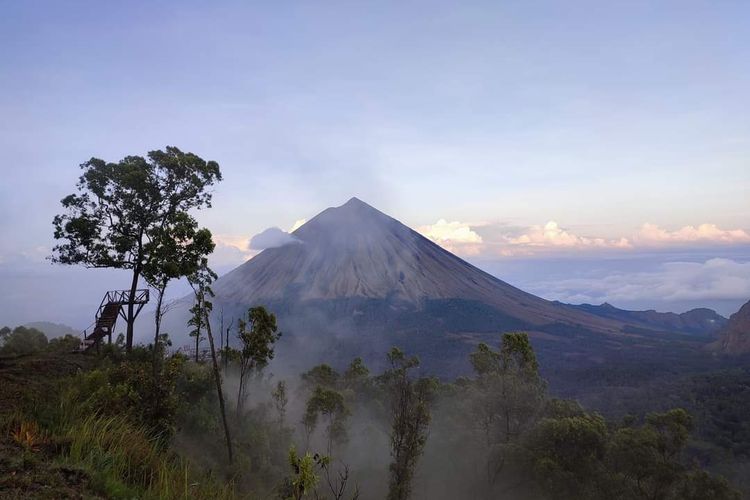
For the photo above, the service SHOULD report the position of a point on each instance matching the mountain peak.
(355, 205)
(353, 202)
(342, 223)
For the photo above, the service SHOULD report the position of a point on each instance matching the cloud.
(465, 239)
(271, 238)
(715, 279)
(297, 224)
(454, 236)
(496, 239)
(231, 250)
(652, 234)
(552, 235)
(230, 240)
(457, 232)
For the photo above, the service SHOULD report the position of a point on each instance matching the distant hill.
(734, 338)
(52, 330)
(701, 321)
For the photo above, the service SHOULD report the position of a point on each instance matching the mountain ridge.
(698, 321)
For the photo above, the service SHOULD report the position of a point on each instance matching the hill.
(53, 330)
(700, 321)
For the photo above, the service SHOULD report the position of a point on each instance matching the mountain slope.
(356, 253)
(735, 337)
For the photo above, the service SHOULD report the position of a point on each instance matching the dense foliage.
(359, 435)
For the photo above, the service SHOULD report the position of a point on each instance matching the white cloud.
(444, 231)
(454, 236)
(271, 238)
(297, 224)
(490, 240)
(231, 240)
(552, 235)
(652, 234)
(712, 280)
(231, 250)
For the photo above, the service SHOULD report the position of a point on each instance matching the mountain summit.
(356, 253)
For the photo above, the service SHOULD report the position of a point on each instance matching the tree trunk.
(197, 341)
(198, 328)
(157, 328)
(240, 390)
(157, 319)
(217, 377)
(221, 330)
(226, 348)
(131, 312)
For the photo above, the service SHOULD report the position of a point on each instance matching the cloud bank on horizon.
(501, 241)
(488, 240)
(705, 283)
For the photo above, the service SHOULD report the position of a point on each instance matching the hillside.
(700, 321)
(735, 337)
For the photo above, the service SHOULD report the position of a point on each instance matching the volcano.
(356, 254)
(354, 281)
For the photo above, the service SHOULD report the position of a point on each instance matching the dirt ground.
(35, 472)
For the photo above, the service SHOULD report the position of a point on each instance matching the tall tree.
(197, 321)
(115, 219)
(200, 281)
(179, 251)
(410, 419)
(280, 400)
(257, 336)
(506, 399)
(330, 404)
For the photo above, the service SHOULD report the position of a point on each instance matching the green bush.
(21, 341)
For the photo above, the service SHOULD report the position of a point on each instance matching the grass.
(128, 463)
(51, 448)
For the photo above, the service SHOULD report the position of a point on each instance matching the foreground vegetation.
(122, 426)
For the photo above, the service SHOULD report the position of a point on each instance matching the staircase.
(109, 310)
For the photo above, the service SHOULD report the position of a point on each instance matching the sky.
(586, 151)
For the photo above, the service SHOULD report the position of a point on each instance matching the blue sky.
(601, 132)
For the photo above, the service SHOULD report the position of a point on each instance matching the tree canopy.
(124, 213)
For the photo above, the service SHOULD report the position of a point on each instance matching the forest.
(149, 424)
